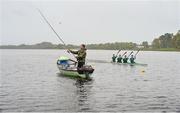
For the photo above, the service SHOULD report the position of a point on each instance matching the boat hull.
(73, 73)
(67, 67)
(131, 64)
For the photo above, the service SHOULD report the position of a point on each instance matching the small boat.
(104, 61)
(67, 67)
(131, 64)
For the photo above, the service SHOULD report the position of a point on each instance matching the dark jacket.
(81, 55)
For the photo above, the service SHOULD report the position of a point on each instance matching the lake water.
(30, 81)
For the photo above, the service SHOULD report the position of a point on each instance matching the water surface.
(30, 81)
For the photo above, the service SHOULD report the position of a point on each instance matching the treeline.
(49, 45)
(167, 40)
(113, 46)
(42, 45)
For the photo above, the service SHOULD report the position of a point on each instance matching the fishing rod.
(51, 26)
(53, 29)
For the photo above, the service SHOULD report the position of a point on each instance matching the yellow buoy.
(142, 71)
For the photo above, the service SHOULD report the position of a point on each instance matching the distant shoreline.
(101, 46)
(166, 42)
(165, 50)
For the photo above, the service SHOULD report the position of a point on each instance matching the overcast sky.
(87, 21)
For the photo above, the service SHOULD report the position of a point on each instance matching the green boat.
(104, 61)
(67, 68)
(131, 64)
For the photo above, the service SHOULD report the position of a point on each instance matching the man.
(114, 58)
(81, 55)
(119, 59)
(125, 59)
(132, 59)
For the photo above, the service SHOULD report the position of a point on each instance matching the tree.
(168, 40)
(145, 44)
(165, 40)
(156, 43)
(176, 40)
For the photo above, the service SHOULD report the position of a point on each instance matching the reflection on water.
(83, 91)
(30, 81)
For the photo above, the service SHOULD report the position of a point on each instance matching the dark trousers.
(80, 64)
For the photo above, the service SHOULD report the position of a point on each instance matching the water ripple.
(30, 82)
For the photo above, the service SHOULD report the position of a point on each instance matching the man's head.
(119, 55)
(125, 56)
(113, 54)
(83, 46)
(132, 56)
